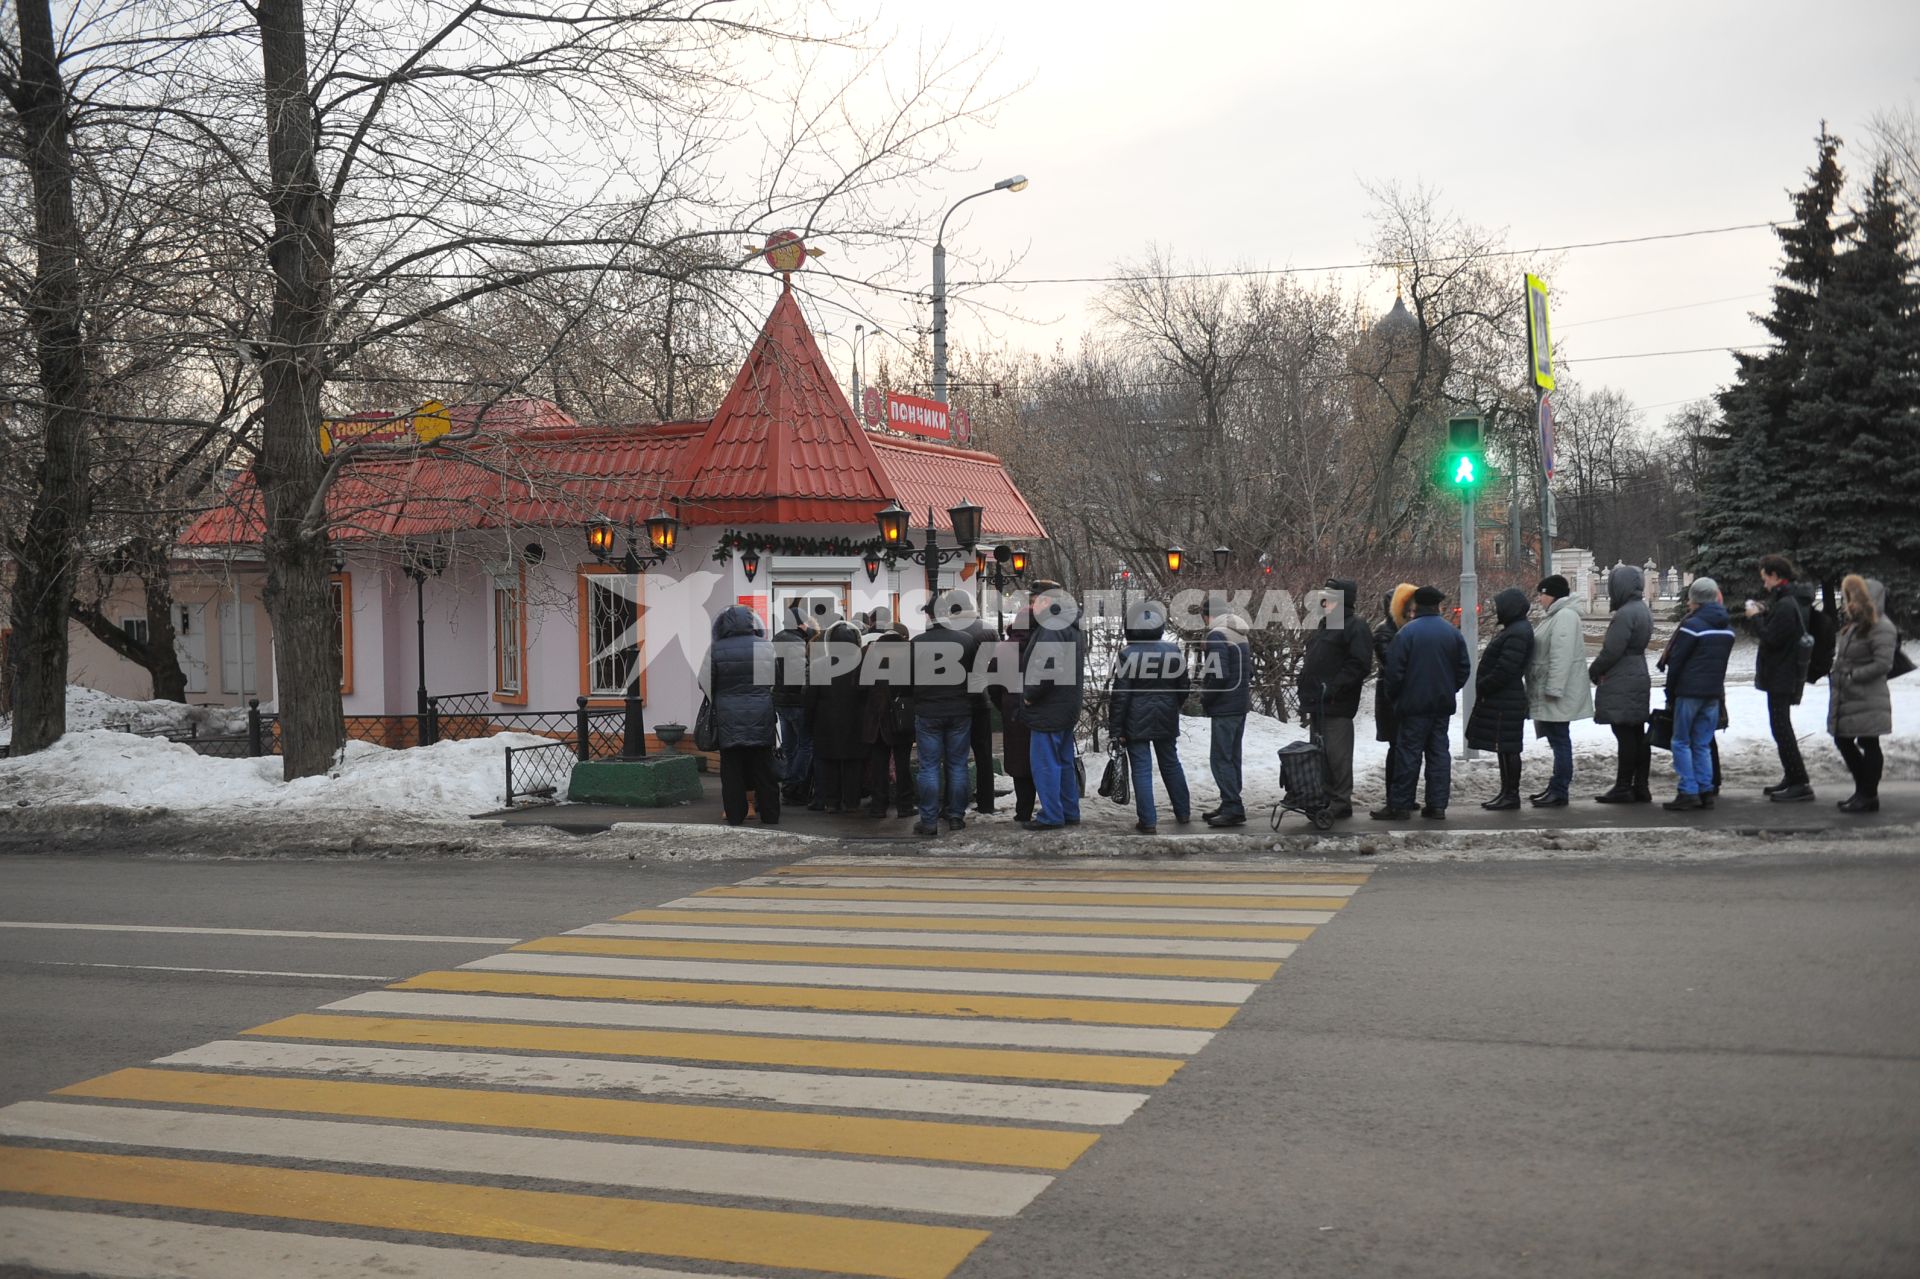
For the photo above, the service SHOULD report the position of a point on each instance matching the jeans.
(1422, 737)
(1559, 735)
(943, 741)
(1140, 757)
(1223, 757)
(1336, 739)
(1780, 722)
(1056, 787)
(1693, 723)
(797, 743)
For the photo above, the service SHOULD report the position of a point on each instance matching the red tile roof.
(783, 448)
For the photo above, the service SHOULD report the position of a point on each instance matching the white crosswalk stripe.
(873, 1096)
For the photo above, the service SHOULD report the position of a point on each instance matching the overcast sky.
(1239, 134)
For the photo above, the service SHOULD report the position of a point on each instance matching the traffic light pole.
(1469, 612)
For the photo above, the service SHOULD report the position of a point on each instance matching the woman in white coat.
(1557, 689)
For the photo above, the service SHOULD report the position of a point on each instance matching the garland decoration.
(733, 541)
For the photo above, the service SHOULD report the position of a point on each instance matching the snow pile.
(91, 708)
(446, 781)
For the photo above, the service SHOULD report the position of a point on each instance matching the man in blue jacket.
(1696, 681)
(1427, 664)
(1225, 699)
(1053, 674)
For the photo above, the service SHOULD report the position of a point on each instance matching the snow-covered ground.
(91, 708)
(448, 781)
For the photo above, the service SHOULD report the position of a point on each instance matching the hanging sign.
(873, 407)
(425, 425)
(915, 416)
(1539, 338)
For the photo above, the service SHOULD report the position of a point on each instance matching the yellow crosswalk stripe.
(1002, 1146)
(766, 1050)
(1034, 872)
(741, 1236)
(1028, 897)
(1111, 1012)
(973, 924)
(889, 957)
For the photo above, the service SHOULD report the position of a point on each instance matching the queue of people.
(842, 738)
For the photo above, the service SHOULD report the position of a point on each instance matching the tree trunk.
(45, 553)
(163, 658)
(291, 469)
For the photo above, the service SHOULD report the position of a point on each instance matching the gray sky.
(1238, 134)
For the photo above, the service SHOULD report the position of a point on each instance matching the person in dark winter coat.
(980, 728)
(1053, 681)
(943, 712)
(1859, 704)
(1623, 688)
(1150, 681)
(1696, 662)
(1499, 719)
(1335, 669)
(1398, 611)
(887, 722)
(1783, 622)
(737, 679)
(1427, 665)
(790, 703)
(1015, 736)
(1226, 696)
(836, 716)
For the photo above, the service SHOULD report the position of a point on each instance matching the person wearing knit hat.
(1558, 691)
(1427, 665)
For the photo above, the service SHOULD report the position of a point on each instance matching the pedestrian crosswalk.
(844, 1067)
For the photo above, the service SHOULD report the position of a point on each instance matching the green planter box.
(658, 781)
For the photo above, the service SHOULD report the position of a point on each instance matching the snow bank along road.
(834, 1068)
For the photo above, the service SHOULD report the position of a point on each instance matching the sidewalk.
(1740, 811)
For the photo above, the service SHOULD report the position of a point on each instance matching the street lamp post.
(1018, 182)
(421, 561)
(1009, 565)
(663, 536)
(894, 542)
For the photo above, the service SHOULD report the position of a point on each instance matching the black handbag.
(1660, 729)
(705, 736)
(1107, 776)
(1902, 664)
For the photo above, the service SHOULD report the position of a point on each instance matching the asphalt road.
(1481, 1069)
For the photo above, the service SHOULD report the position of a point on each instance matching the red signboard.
(915, 416)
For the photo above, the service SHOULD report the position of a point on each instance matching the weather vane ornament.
(785, 253)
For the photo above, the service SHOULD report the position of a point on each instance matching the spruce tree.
(1743, 510)
(1855, 420)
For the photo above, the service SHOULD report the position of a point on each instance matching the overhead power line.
(1380, 264)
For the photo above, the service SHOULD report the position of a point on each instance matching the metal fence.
(539, 772)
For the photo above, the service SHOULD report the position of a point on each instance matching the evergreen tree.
(1855, 419)
(1744, 496)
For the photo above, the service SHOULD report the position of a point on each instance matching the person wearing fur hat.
(1427, 666)
(1499, 719)
(1397, 610)
(1859, 705)
(1557, 689)
(1150, 681)
(1336, 667)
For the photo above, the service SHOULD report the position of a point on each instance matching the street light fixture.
(1222, 556)
(1008, 566)
(1018, 560)
(892, 520)
(1018, 182)
(1175, 558)
(663, 535)
(419, 561)
(871, 563)
(750, 561)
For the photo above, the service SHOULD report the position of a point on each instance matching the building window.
(136, 629)
(340, 596)
(509, 639)
(611, 635)
(238, 646)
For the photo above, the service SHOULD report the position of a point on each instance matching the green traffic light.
(1463, 475)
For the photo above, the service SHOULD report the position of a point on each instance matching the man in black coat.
(943, 712)
(1053, 677)
(790, 703)
(1783, 622)
(1338, 661)
(1226, 696)
(1427, 666)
